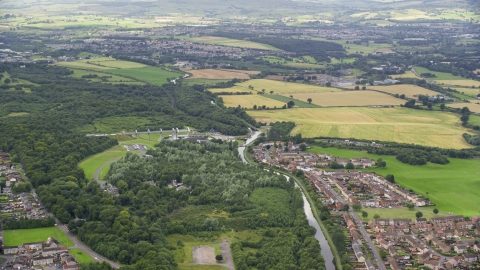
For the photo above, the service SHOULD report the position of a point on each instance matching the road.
(135, 133)
(78, 244)
(97, 172)
(364, 233)
(433, 251)
(369, 242)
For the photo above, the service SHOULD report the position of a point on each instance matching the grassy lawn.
(454, 187)
(185, 266)
(278, 87)
(81, 256)
(183, 255)
(18, 237)
(91, 164)
(248, 101)
(153, 75)
(231, 42)
(377, 124)
(439, 75)
(348, 98)
(398, 213)
(203, 81)
(298, 103)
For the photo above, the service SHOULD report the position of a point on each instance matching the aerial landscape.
(223, 135)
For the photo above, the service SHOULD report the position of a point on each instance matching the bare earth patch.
(220, 74)
(204, 255)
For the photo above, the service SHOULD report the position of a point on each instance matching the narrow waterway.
(326, 251)
(325, 248)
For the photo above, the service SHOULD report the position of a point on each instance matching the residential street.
(369, 242)
(78, 244)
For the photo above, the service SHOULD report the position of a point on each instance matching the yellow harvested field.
(408, 90)
(220, 74)
(247, 101)
(473, 107)
(277, 87)
(407, 74)
(468, 91)
(401, 125)
(349, 98)
(466, 83)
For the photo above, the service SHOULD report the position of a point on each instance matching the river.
(325, 248)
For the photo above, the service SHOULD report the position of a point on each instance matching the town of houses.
(48, 254)
(13, 204)
(444, 242)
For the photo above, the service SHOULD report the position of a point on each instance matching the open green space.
(203, 81)
(13, 114)
(101, 77)
(230, 42)
(439, 75)
(80, 255)
(342, 60)
(454, 187)
(396, 212)
(91, 164)
(430, 128)
(298, 103)
(153, 75)
(183, 254)
(18, 237)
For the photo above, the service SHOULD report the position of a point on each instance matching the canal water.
(325, 248)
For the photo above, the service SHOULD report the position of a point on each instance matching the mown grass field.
(110, 78)
(439, 75)
(183, 255)
(91, 164)
(474, 107)
(473, 92)
(377, 124)
(462, 83)
(278, 87)
(248, 101)
(80, 255)
(232, 42)
(298, 103)
(203, 81)
(18, 237)
(219, 74)
(349, 98)
(399, 213)
(149, 74)
(13, 114)
(454, 187)
(408, 90)
(407, 74)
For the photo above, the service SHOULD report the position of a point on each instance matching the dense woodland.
(131, 228)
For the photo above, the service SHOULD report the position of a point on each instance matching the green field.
(108, 78)
(18, 237)
(230, 42)
(454, 187)
(399, 213)
(203, 81)
(81, 256)
(278, 87)
(298, 103)
(402, 125)
(91, 164)
(149, 74)
(439, 75)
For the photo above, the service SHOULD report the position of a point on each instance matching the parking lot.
(136, 147)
